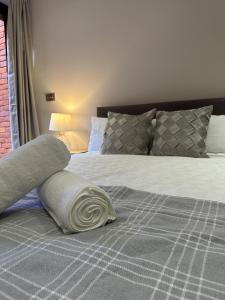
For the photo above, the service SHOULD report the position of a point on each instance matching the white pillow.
(215, 141)
(97, 133)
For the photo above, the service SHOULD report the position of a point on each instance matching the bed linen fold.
(74, 203)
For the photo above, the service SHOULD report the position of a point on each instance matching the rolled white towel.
(75, 204)
(29, 166)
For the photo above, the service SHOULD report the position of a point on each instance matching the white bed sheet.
(180, 176)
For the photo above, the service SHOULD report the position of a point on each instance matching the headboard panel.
(218, 107)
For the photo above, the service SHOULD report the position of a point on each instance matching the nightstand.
(72, 151)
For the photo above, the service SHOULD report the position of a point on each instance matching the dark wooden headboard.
(218, 107)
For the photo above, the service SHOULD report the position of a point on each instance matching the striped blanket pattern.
(160, 247)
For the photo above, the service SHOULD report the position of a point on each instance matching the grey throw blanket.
(160, 247)
(29, 166)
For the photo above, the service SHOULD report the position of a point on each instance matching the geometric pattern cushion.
(182, 133)
(128, 134)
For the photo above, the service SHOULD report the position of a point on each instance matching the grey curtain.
(24, 122)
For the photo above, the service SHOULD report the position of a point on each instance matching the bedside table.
(72, 151)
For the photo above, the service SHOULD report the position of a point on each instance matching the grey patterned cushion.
(127, 134)
(182, 133)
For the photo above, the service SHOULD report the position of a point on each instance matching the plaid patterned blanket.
(160, 247)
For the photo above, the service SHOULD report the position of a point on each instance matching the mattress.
(202, 178)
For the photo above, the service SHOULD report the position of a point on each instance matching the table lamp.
(61, 123)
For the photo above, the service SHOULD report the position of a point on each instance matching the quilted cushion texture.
(127, 134)
(182, 133)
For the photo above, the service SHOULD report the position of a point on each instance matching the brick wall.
(5, 137)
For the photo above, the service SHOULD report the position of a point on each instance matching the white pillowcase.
(215, 141)
(97, 133)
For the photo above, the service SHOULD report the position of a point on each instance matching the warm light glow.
(60, 122)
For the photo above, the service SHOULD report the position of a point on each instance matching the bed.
(168, 241)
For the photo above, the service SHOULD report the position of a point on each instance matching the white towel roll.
(29, 166)
(75, 204)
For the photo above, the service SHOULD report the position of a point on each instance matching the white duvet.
(180, 176)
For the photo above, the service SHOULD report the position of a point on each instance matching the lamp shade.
(60, 122)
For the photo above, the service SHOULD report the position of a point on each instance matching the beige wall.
(99, 52)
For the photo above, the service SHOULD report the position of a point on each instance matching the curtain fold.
(24, 121)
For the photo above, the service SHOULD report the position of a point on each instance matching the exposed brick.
(4, 90)
(2, 140)
(4, 98)
(4, 105)
(5, 134)
(3, 82)
(3, 120)
(3, 70)
(4, 75)
(4, 108)
(2, 52)
(2, 57)
(4, 114)
(3, 64)
(6, 145)
(5, 124)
